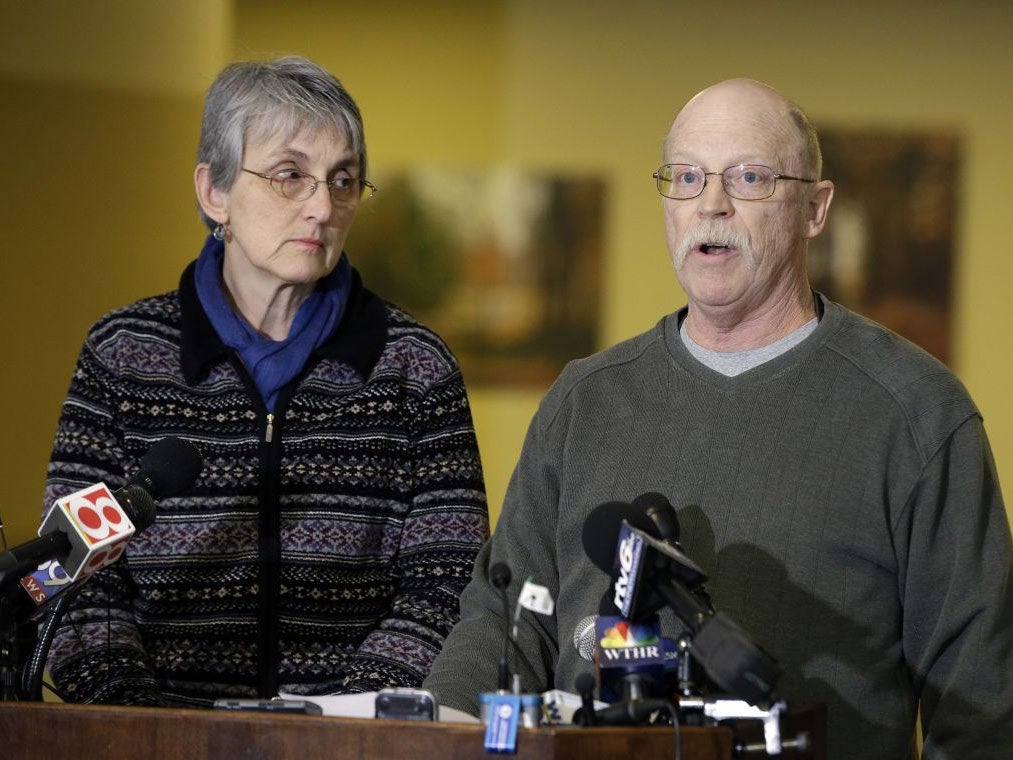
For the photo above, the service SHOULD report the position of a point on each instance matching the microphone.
(585, 642)
(585, 714)
(499, 576)
(89, 529)
(584, 638)
(85, 531)
(653, 574)
(659, 510)
(627, 652)
(168, 468)
(651, 512)
(603, 543)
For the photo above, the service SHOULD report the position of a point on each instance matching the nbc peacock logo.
(624, 634)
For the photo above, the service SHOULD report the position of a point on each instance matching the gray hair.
(252, 100)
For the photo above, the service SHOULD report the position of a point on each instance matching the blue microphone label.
(503, 719)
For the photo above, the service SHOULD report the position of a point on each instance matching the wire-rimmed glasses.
(747, 182)
(298, 186)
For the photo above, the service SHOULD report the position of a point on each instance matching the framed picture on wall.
(504, 264)
(888, 248)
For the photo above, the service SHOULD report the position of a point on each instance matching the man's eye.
(750, 177)
(685, 178)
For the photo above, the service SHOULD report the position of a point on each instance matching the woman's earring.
(219, 231)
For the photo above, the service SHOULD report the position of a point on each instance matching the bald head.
(754, 108)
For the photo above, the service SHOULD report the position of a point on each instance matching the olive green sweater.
(842, 497)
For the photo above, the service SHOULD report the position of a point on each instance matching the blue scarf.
(272, 363)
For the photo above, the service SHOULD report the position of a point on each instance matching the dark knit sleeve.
(955, 556)
(96, 655)
(442, 533)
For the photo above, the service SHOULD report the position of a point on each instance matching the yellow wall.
(99, 116)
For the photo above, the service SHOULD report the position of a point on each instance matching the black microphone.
(499, 576)
(584, 715)
(86, 531)
(660, 575)
(601, 539)
(659, 510)
(168, 468)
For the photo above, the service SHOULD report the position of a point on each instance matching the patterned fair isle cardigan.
(322, 549)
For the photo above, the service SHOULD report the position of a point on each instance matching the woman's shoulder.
(409, 339)
(156, 316)
(154, 308)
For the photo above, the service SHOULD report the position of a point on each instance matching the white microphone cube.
(95, 524)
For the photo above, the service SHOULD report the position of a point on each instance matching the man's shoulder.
(644, 348)
(929, 393)
(886, 357)
(603, 379)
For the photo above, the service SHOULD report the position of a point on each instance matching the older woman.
(324, 546)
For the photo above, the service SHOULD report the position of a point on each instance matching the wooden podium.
(33, 730)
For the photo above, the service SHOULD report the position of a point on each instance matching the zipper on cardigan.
(269, 430)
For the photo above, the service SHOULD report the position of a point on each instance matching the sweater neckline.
(828, 323)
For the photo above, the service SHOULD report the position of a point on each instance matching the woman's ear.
(211, 199)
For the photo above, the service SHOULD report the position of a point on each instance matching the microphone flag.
(536, 598)
(97, 526)
(626, 649)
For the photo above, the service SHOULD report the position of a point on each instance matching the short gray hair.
(252, 100)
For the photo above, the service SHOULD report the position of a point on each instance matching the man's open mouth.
(714, 247)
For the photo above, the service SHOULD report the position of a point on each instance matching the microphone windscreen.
(169, 467)
(138, 505)
(601, 530)
(661, 513)
(583, 637)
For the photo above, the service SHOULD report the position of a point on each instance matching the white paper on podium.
(364, 706)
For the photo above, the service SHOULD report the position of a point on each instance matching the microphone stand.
(12, 638)
(8, 652)
(14, 565)
(500, 578)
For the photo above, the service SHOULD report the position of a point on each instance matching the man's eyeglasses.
(298, 186)
(747, 182)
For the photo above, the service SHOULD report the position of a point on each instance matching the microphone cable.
(499, 576)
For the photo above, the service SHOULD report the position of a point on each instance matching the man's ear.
(817, 208)
(211, 199)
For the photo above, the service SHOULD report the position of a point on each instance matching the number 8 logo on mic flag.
(100, 524)
(97, 514)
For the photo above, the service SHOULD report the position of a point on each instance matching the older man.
(833, 480)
